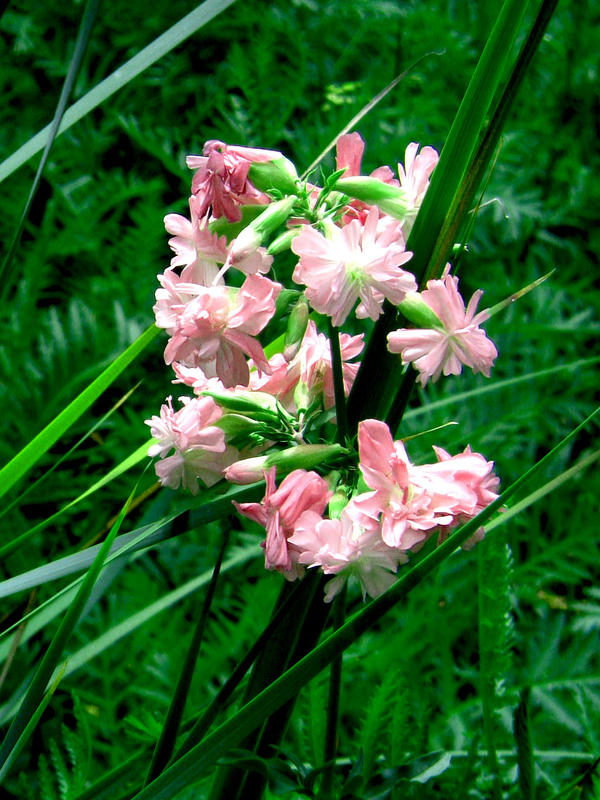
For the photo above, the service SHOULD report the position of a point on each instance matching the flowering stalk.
(338, 385)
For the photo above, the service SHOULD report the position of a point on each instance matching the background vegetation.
(288, 75)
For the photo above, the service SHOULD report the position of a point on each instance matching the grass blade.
(162, 45)
(83, 36)
(53, 654)
(40, 444)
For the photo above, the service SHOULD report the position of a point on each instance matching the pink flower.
(414, 177)
(406, 511)
(221, 179)
(349, 152)
(353, 262)
(311, 366)
(457, 341)
(216, 329)
(200, 450)
(279, 511)
(341, 547)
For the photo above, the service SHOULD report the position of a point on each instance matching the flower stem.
(338, 384)
(335, 679)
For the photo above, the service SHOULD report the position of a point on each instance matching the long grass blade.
(83, 36)
(162, 45)
(18, 466)
(54, 652)
(192, 765)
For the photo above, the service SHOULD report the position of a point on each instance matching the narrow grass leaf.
(191, 766)
(124, 466)
(18, 466)
(53, 653)
(85, 29)
(523, 740)
(162, 45)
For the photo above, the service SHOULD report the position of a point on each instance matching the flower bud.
(252, 236)
(416, 310)
(390, 199)
(338, 503)
(296, 328)
(279, 174)
(283, 241)
(303, 456)
(256, 405)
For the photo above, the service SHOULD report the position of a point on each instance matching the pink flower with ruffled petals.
(311, 366)
(349, 152)
(200, 450)
(221, 179)
(459, 339)
(279, 511)
(414, 177)
(406, 511)
(216, 330)
(353, 262)
(341, 547)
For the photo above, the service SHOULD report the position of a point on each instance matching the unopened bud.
(303, 456)
(260, 406)
(416, 310)
(296, 328)
(390, 199)
(248, 240)
(338, 502)
(283, 241)
(279, 174)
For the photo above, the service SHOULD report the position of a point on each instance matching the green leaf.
(40, 444)
(162, 45)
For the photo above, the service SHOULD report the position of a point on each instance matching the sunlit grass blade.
(191, 766)
(99, 422)
(135, 458)
(32, 723)
(208, 508)
(123, 629)
(53, 653)
(18, 466)
(85, 29)
(162, 45)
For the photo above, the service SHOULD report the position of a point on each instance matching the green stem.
(333, 705)
(166, 743)
(338, 384)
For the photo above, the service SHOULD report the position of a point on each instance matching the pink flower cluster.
(255, 413)
(376, 529)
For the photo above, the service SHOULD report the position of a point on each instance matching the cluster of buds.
(261, 415)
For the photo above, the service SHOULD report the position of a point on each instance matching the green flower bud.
(416, 310)
(282, 242)
(279, 174)
(338, 502)
(390, 199)
(296, 328)
(259, 406)
(303, 456)
(254, 234)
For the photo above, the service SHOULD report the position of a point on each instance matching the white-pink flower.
(200, 450)
(216, 329)
(342, 547)
(414, 178)
(221, 178)
(310, 366)
(459, 339)
(350, 263)
(279, 511)
(406, 511)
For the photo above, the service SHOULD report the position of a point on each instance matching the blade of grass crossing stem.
(53, 654)
(148, 56)
(193, 764)
(455, 157)
(124, 466)
(168, 736)
(33, 721)
(83, 36)
(40, 444)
